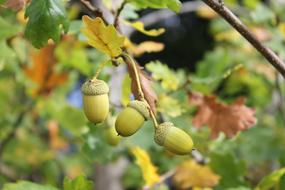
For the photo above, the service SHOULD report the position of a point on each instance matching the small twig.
(97, 12)
(101, 66)
(118, 12)
(162, 179)
(236, 23)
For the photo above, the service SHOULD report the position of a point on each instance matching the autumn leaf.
(43, 71)
(149, 171)
(56, 142)
(221, 117)
(139, 26)
(191, 174)
(105, 38)
(146, 46)
(16, 5)
(145, 81)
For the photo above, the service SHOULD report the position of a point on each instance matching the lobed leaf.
(104, 38)
(46, 21)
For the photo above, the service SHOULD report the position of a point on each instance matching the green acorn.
(132, 118)
(95, 100)
(173, 139)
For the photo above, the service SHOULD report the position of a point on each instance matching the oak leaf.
(139, 26)
(221, 117)
(146, 46)
(145, 81)
(149, 171)
(43, 71)
(105, 38)
(191, 174)
(16, 5)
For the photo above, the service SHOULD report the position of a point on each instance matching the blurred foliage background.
(47, 143)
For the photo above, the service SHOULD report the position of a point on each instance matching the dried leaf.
(149, 171)
(221, 117)
(104, 38)
(139, 26)
(145, 82)
(16, 5)
(191, 174)
(42, 71)
(146, 46)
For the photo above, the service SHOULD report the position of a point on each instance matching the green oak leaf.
(269, 181)
(46, 20)
(25, 185)
(79, 183)
(174, 5)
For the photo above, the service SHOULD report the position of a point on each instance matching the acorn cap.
(141, 107)
(161, 132)
(94, 87)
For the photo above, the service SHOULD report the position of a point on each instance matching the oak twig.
(236, 23)
(118, 12)
(95, 11)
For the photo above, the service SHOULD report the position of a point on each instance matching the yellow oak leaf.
(206, 12)
(281, 28)
(149, 171)
(138, 25)
(104, 38)
(191, 174)
(146, 46)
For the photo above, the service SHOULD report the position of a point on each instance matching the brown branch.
(233, 20)
(95, 11)
(118, 12)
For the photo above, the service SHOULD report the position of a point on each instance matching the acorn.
(173, 139)
(132, 118)
(111, 134)
(95, 100)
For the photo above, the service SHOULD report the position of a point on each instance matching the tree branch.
(233, 20)
(95, 11)
(118, 12)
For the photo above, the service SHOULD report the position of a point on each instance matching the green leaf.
(25, 185)
(174, 5)
(229, 168)
(79, 183)
(46, 20)
(7, 29)
(95, 145)
(162, 72)
(271, 180)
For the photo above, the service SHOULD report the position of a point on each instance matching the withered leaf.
(145, 81)
(221, 117)
(43, 71)
(16, 5)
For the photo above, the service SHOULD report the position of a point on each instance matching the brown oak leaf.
(221, 117)
(145, 81)
(16, 5)
(43, 71)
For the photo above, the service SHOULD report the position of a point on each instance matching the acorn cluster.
(130, 119)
